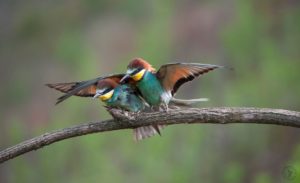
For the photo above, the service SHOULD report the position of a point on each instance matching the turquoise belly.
(151, 89)
(125, 98)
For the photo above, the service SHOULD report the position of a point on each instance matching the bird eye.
(106, 90)
(138, 75)
(107, 94)
(136, 71)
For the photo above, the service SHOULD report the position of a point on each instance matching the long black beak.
(124, 78)
(97, 95)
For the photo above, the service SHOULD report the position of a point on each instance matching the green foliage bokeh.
(78, 40)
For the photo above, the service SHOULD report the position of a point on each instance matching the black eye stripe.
(106, 91)
(136, 71)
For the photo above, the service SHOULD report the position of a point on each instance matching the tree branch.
(178, 116)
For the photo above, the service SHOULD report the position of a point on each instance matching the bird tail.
(182, 102)
(143, 132)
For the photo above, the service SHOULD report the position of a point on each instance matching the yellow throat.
(138, 76)
(106, 96)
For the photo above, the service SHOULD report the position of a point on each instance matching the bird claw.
(131, 116)
(135, 115)
(164, 108)
(126, 114)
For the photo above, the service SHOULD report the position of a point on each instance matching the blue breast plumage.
(152, 90)
(126, 98)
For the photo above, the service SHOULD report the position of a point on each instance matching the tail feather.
(182, 102)
(146, 132)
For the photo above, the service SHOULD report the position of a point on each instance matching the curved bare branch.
(179, 116)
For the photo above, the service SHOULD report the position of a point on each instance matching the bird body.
(113, 94)
(125, 91)
(125, 97)
(159, 87)
(152, 90)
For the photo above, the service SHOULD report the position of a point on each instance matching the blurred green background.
(58, 41)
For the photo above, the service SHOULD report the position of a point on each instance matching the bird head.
(136, 69)
(105, 89)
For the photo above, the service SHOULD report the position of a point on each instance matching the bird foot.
(131, 116)
(164, 108)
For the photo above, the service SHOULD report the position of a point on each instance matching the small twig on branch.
(180, 116)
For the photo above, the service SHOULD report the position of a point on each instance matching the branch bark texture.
(178, 116)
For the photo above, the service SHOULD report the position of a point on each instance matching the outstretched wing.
(83, 88)
(67, 87)
(172, 76)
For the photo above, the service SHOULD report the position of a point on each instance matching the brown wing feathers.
(82, 89)
(64, 87)
(172, 76)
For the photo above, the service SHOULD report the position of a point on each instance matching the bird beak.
(97, 94)
(124, 78)
(127, 75)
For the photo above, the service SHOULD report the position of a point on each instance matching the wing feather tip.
(49, 85)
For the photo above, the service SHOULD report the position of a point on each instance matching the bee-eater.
(158, 88)
(109, 90)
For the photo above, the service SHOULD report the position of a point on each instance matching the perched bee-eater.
(158, 88)
(109, 90)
